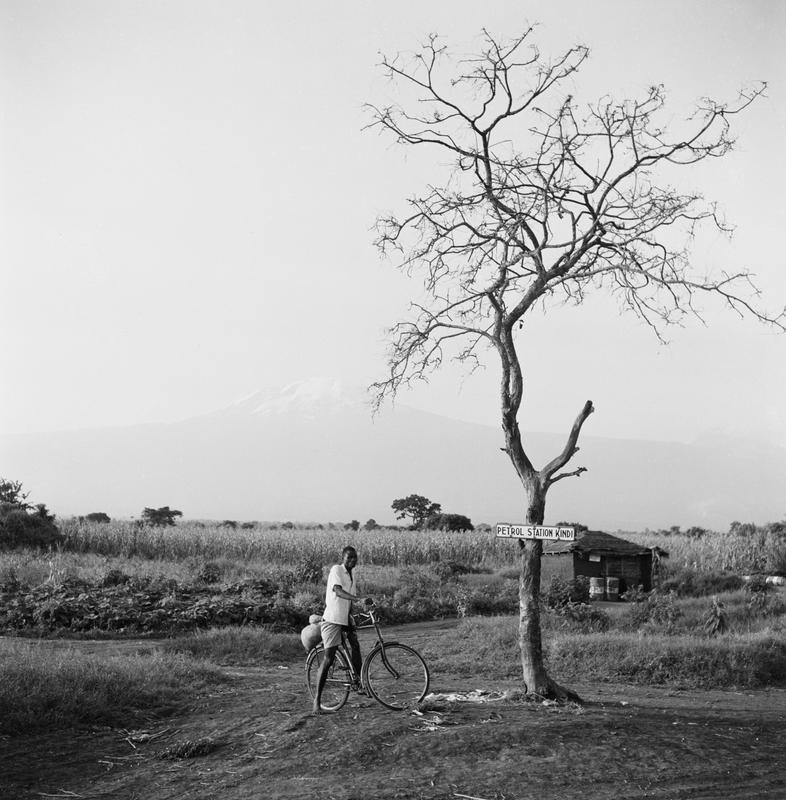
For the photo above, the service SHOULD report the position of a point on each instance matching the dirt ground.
(625, 742)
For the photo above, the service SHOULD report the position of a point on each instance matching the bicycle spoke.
(398, 678)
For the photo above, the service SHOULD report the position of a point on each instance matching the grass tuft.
(238, 646)
(45, 689)
(189, 749)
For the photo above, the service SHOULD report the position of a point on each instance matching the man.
(339, 596)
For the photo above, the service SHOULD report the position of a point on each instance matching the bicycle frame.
(372, 622)
(384, 654)
(380, 645)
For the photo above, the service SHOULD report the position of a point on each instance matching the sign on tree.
(507, 531)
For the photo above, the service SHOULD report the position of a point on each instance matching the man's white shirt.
(337, 608)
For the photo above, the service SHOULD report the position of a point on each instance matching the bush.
(308, 569)
(691, 583)
(445, 570)
(658, 612)
(449, 522)
(115, 577)
(160, 517)
(561, 592)
(20, 527)
(581, 618)
(210, 573)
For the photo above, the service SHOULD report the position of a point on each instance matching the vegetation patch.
(689, 661)
(247, 645)
(189, 749)
(45, 689)
(684, 660)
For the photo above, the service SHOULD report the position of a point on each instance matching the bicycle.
(394, 674)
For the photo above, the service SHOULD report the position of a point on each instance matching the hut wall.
(556, 564)
(631, 570)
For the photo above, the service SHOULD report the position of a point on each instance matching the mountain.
(311, 451)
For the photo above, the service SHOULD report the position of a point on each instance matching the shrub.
(658, 611)
(160, 517)
(449, 522)
(210, 573)
(715, 622)
(687, 582)
(308, 569)
(20, 527)
(561, 592)
(445, 570)
(581, 618)
(115, 577)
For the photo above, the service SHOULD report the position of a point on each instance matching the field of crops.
(762, 550)
(210, 541)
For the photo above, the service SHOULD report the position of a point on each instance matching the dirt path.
(626, 742)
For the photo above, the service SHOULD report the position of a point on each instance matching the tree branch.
(570, 448)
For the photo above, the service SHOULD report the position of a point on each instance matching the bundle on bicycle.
(394, 674)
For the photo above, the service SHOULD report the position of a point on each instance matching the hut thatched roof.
(600, 543)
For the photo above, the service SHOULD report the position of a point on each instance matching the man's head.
(349, 557)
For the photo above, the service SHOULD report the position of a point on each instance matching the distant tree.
(11, 494)
(288, 526)
(777, 528)
(417, 507)
(746, 529)
(229, 523)
(352, 526)
(98, 516)
(160, 517)
(449, 522)
(23, 525)
(370, 525)
(248, 526)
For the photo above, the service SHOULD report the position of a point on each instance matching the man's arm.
(344, 594)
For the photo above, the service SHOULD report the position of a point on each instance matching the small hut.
(600, 555)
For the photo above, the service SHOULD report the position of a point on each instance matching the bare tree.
(543, 202)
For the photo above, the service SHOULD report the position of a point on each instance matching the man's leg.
(354, 647)
(329, 654)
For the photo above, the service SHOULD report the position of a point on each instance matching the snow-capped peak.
(309, 398)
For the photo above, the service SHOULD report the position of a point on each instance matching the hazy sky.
(186, 203)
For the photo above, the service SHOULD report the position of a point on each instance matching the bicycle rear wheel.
(397, 676)
(337, 683)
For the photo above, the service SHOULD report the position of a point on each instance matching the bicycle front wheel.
(337, 683)
(397, 676)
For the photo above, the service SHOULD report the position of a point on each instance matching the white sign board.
(508, 531)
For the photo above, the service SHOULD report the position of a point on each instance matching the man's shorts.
(331, 634)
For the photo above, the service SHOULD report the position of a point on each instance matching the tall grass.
(687, 660)
(283, 546)
(762, 551)
(44, 688)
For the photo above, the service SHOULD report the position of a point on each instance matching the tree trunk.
(534, 673)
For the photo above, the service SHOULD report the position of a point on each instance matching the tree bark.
(534, 674)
